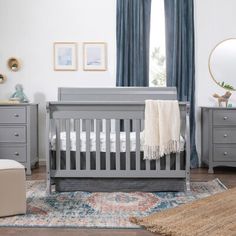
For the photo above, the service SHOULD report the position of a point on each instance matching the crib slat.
(137, 133)
(98, 144)
(167, 162)
(108, 159)
(177, 161)
(58, 145)
(67, 144)
(158, 163)
(142, 125)
(77, 131)
(93, 126)
(117, 144)
(148, 164)
(88, 128)
(127, 138)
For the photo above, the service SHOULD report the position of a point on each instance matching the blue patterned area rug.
(101, 210)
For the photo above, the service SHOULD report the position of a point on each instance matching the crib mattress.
(102, 141)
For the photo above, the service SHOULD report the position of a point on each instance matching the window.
(157, 67)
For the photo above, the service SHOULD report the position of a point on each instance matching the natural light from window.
(157, 67)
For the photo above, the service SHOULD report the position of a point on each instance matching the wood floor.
(226, 175)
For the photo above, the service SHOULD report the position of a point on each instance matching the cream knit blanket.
(162, 128)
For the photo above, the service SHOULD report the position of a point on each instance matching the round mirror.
(222, 64)
(13, 64)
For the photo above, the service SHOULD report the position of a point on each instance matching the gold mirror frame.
(3, 78)
(209, 64)
(13, 64)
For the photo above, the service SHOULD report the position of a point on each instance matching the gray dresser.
(19, 134)
(218, 137)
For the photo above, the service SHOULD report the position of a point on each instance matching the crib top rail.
(108, 103)
(117, 94)
(68, 107)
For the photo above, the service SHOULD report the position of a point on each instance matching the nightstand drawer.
(224, 153)
(9, 115)
(224, 117)
(13, 153)
(12, 134)
(224, 135)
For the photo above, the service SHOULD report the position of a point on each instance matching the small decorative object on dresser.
(223, 98)
(19, 95)
(218, 137)
(19, 133)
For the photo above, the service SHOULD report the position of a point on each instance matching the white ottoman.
(12, 188)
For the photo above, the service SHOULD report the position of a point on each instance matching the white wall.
(29, 28)
(214, 22)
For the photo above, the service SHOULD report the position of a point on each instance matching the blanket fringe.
(155, 152)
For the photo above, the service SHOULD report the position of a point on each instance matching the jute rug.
(211, 216)
(101, 210)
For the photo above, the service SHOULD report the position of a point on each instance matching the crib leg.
(187, 138)
(187, 186)
(48, 188)
(188, 189)
(48, 156)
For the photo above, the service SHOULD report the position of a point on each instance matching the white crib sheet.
(102, 141)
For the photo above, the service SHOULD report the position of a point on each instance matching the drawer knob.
(225, 135)
(16, 154)
(16, 134)
(16, 115)
(225, 153)
(225, 117)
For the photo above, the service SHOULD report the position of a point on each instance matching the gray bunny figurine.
(19, 94)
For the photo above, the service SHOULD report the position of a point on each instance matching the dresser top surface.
(219, 108)
(18, 104)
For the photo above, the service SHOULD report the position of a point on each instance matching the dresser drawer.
(224, 117)
(224, 135)
(12, 134)
(9, 115)
(13, 153)
(224, 153)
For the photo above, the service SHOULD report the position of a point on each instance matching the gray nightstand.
(218, 137)
(19, 134)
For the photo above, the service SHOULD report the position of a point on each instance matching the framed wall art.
(65, 56)
(95, 56)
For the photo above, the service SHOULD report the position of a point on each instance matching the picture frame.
(65, 56)
(95, 56)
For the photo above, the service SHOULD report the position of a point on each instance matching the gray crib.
(94, 142)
